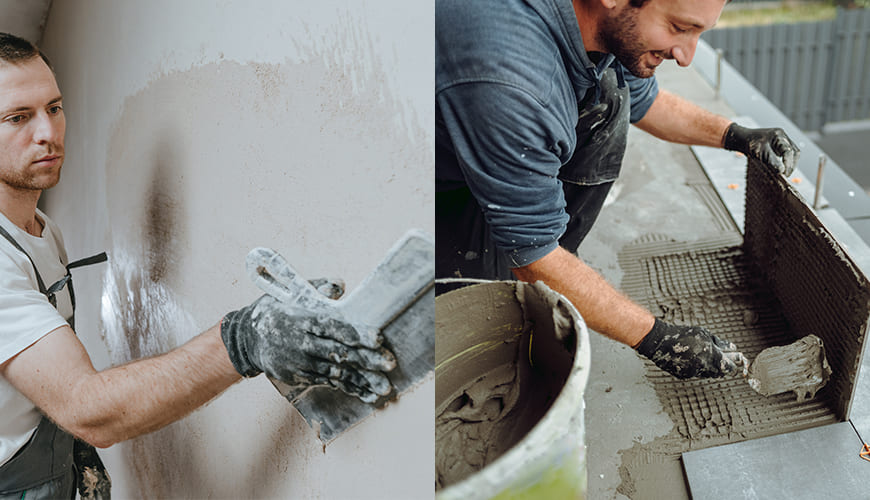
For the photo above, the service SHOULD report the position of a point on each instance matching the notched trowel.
(395, 301)
(800, 367)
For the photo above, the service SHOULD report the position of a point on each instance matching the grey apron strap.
(602, 134)
(463, 243)
(14, 243)
(49, 455)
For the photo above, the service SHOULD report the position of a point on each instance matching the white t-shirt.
(26, 316)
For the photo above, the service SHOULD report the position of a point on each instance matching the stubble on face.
(34, 179)
(620, 36)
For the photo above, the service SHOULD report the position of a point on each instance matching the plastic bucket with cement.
(511, 365)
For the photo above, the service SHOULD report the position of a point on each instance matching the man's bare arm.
(119, 403)
(675, 119)
(604, 308)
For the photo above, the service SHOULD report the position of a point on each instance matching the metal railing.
(816, 72)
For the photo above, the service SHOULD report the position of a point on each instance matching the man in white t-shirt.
(49, 389)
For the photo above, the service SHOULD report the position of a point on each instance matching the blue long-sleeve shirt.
(509, 75)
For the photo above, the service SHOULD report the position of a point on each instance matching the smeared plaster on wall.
(205, 164)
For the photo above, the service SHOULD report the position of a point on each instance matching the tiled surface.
(811, 464)
(663, 191)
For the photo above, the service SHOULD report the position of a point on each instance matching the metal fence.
(816, 73)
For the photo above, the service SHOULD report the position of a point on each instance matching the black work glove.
(302, 349)
(771, 146)
(690, 351)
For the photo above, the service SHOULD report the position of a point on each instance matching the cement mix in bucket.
(504, 352)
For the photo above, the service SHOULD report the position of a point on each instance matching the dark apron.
(464, 246)
(45, 467)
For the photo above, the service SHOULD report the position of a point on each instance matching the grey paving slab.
(727, 174)
(862, 227)
(842, 191)
(851, 150)
(860, 411)
(822, 462)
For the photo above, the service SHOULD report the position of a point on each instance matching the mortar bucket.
(511, 365)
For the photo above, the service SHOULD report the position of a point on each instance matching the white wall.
(197, 130)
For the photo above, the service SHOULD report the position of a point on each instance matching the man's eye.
(679, 29)
(55, 109)
(16, 119)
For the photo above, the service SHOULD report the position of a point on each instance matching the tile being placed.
(727, 173)
(822, 462)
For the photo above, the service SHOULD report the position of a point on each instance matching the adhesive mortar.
(512, 362)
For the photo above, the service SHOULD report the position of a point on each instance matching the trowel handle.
(272, 274)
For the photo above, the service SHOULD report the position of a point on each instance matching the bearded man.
(533, 99)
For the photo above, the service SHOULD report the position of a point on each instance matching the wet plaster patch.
(492, 388)
(207, 163)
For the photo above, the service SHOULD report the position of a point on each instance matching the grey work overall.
(460, 227)
(45, 467)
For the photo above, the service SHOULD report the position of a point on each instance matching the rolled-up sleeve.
(509, 146)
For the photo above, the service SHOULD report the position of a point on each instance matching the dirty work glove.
(92, 480)
(690, 351)
(302, 349)
(771, 146)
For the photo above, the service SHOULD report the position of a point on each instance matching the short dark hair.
(16, 50)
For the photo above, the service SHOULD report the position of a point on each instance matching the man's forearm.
(119, 403)
(604, 308)
(145, 395)
(675, 119)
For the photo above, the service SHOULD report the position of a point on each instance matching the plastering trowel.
(800, 367)
(395, 301)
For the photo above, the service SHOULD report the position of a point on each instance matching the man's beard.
(619, 36)
(31, 183)
(28, 179)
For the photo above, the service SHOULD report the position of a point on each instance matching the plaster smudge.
(206, 163)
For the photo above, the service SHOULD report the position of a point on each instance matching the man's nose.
(49, 128)
(684, 53)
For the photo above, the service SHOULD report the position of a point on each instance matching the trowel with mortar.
(800, 367)
(394, 303)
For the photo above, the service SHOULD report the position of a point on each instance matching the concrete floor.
(655, 194)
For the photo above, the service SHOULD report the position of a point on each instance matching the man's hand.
(301, 349)
(690, 351)
(771, 146)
